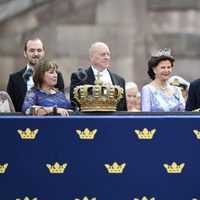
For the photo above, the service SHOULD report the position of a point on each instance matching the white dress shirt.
(104, 76)
(30, 82)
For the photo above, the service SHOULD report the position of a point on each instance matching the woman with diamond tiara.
(159, 95)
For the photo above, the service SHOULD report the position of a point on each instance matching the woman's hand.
(63, 111)
(42, 111)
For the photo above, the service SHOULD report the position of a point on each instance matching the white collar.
(28, 66)
(104, 72)
(104, 75)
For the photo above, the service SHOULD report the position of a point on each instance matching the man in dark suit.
(100, 59)
(193, 100)
(20, 82)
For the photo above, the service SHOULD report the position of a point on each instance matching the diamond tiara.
(161, 52)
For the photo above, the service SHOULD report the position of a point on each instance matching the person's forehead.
(35, 44)
(164, 62)
(132, 90)
(102, 48)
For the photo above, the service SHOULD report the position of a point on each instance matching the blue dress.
(157, 101)
(39, 98)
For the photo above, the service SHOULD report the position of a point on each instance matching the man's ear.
(25, 54)
(91, 56)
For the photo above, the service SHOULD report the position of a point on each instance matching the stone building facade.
(131, 28)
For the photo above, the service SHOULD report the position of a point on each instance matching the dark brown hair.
(154, 61)
(40, 68)
(32, 39)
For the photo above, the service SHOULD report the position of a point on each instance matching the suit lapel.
(22, 84)
(114, 80)
(91, 77)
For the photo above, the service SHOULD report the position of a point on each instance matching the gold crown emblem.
(174, 168)
(85, 198)
(98, 97)
(144, 198)
(3, 168)
(26, 198)
(56, 168)
(197, 133)
(86, 134)
(176, 82)
(28, 134)
(145, 134)
(115, 168)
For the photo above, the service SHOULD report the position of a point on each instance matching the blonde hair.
(131, 85)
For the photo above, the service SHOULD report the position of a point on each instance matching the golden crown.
(115, 168)
(197, 133)
(144, 198)
(174, 168)
(85, 198)
(86, 134)
(26, 198)
(28, 134)
(98, 97)
(3, 168)
(145, 134)
(56, 168)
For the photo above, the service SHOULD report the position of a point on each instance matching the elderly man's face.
(101, 56)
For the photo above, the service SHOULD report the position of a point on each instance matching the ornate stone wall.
(132, 28)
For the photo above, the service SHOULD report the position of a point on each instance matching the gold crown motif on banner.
(115, 168)
(145, 134)
(28, 134)
(86, 134)
(3, 168)
(197, 133)
(26, 198)
(56, 168)
(174, 168)
(144, 198)
(85, 198)
(98, 97)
